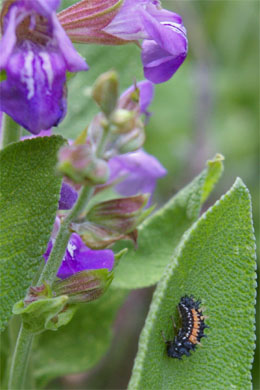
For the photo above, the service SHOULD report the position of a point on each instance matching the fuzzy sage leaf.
(215, 262)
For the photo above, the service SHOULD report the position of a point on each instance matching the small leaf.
(79, 345)
(160, 233)
(215, 262)
(47, 313)
(28, 202)
(215, 166)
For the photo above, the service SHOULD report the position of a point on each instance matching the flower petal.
(79, 258)
(146, 91)
(43, 7)
(138, 172)
(73, 60)
(33, 93)
(8, 40)
(159, 65)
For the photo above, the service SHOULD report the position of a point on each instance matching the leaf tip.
(214, 170)
(239, 183)
(217, 159)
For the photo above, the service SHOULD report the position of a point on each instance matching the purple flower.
(165, 43)
(137, 172)
(79, 257)
(36, 53)
(68, 197)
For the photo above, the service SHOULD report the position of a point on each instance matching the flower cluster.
(131, 174)
(36, 54)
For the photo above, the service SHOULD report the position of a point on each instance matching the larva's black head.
(176, 349)
(173, 350)
(190, 302)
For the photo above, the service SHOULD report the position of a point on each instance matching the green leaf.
(160, 233)
(79, 345)
(28, 203)
(215, 262)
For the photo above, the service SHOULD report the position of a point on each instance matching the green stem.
(13, 330)
(11, 131)
(20, 359)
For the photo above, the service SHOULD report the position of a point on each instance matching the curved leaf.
(215, 262)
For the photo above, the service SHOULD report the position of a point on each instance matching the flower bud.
(79, 164)
(123, 121)
(84, 286)
(96, 130)
(99, 237)
(130, 99)
(105, 92)
(130, 141)
(38, 292)
(137, 98)
(120, 215)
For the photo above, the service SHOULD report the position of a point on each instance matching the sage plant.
(80, 225)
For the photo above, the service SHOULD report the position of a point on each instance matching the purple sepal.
(138, 172)
(78, 257)
(68, 197)
(36, 54)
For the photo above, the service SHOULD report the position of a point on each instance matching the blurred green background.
(211, 105)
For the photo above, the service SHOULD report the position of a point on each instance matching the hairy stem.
(20, 359)
(11, 131)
